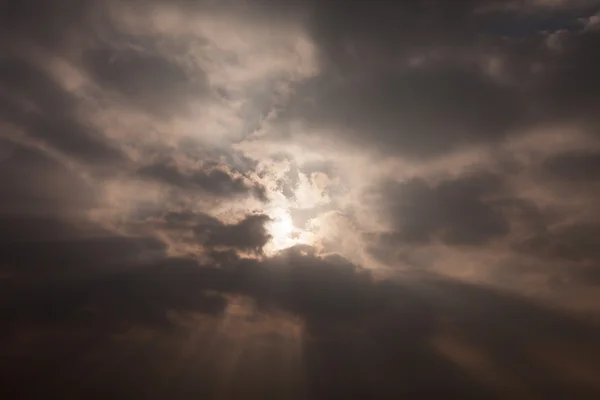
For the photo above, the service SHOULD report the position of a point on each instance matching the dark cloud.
(571, 84)
(220, 182)
(479, 73)
(355, 331)
(389, 340)
(417, 112)
(582, 166)
(35, 184)
(132, 297)
(370, 96)
(35, 102)
(189, 219)
(57, 243)
(145, 78)
(43, 224)
(296, 281)
(456, 211)
(214, 181)
(93, 300)
(31, 99)
(34, 245)
(235, 160)
(308, 285)
(527, 213)
(249, 234)
(574, 242)
(549, 55)
(54, 24)
(350, 33)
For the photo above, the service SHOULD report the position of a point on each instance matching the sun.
(282, 227)
(282, 230)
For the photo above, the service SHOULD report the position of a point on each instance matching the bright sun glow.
(283, 232)
(281, 228)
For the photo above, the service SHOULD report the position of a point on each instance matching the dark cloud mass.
(35, 103)
(418, 112)
(582, 166)
(300, 199)
(214, 181)
(455, 209)
(248, 234)
(144, 78)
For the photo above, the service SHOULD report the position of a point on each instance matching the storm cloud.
(299, 199)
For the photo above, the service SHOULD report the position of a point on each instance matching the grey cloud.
(574, 245)
(533, 219)
(214, 181)
(78, 255)
(54, 24)
(71, 292)
(235, 160)
(189, 219)
(31, 245)
(33, 183)
(457, 211)
(131, 297)
(582, 166)
(309, 285)
(451, 101)
(43, 224)
(550, 57)
(573, 242)
(571, 85)
(249, 234)
(588, 275)
(145, 78)
(36, 103)
(349, 33)
(219, 181)
(418, 112)
(351, 322)
(470, 210)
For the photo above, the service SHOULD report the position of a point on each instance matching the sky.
(300, 199)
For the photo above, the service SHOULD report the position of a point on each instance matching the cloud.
(574, 242)
(456, 211)
(33, 183)
(214, 181)
(571, 84)
(45, 226)
(55, 24)
(148, 298)
(431, 163)
(347, 317)
(415, 113)
(580, 166)
(34, 244)
(347, 35)
(421, 99)
(249, 234)
(147, 79)
(35, 103)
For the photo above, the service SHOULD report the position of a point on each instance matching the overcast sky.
(300, 199)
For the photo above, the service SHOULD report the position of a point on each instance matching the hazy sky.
(300, 199)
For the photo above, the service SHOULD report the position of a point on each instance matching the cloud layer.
(300, 198)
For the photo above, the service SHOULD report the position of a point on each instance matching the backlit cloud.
(300, 198)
